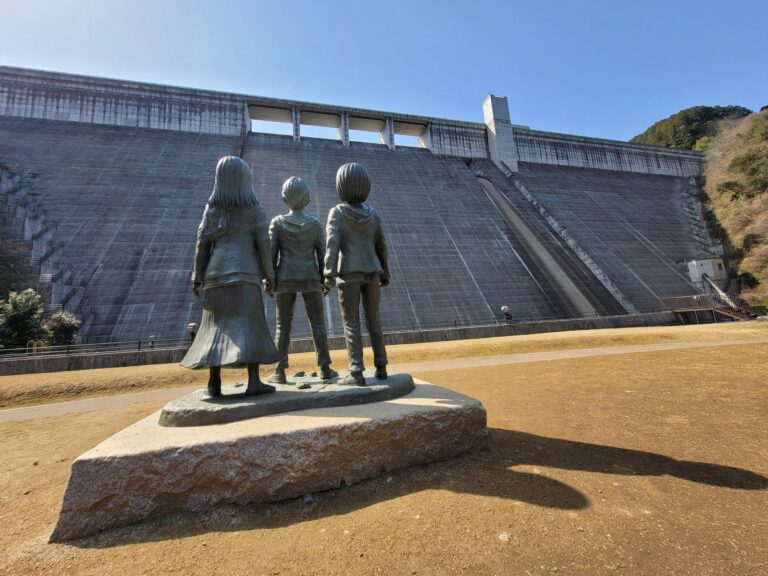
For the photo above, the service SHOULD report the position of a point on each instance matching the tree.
(689, 126)
(14, 268)
(62, 327)
(21, 319)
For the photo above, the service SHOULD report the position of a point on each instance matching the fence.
(39, 349)
(711, 303)
(106, 355)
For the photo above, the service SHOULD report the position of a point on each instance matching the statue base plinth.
(199, 409)
(148, 470)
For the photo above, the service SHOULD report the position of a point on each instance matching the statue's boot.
(255, 386)
(327, 372)
(214, 381)
(353, 379)
(278, 377)
(381, 373)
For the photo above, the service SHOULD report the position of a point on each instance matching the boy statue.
(356, 262)
(298, 251)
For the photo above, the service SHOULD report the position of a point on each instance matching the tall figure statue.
(298, 253)
(356, 262)
(233, 259)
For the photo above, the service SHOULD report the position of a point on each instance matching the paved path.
(107, 402)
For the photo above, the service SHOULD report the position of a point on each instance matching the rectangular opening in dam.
(364, 136)
(407, 141)
(271, 127)
(325, 132)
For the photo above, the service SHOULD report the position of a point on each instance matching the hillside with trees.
(692, 128)
(737, 191)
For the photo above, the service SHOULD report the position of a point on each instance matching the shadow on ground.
(485, 472)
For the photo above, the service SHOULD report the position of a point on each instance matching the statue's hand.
(269, 287)
(196, 286)
(329, 283)
(383, 281)
(325, 289)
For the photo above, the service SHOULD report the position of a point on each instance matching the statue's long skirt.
(233, 329)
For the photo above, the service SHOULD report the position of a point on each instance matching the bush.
(62, 327)
(703, 143)
(689, 127)
(20, 319)
(753, 165)
(736, 189)
(759, 130)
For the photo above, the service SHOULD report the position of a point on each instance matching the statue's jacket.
(356, 249)
(298, 252)
(233, 247)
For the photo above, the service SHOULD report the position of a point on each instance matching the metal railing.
(40, 349)
(711, 302)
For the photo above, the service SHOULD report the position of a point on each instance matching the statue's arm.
(264, 247)
(332, 245)
(381, 251)
(274, 240)
(202, 254)
(320, 250)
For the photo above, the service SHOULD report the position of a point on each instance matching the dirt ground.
(29, 389)
(653, 463)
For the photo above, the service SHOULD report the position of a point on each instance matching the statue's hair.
(353, 183)
(295, 193)
(234, 184)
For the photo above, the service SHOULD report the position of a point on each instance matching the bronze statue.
(233, 259)
(298, 253)
(356, 262)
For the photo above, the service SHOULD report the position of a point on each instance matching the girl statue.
(233, 259)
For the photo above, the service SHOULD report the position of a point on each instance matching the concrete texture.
(199, 409)
(634, 227)
(566, 150)
(55, 96)
(63, 363)
(147, 470)
(125, 272)
(552, 262)
(501, 136)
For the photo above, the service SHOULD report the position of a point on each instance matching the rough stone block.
(148, 470)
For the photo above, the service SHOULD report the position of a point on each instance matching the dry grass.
(31, 389)
(744, 217)
(651, 463)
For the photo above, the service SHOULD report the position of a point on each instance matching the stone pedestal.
(148, 470)
(199, 409)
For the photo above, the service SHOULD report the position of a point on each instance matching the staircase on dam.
(575, 290)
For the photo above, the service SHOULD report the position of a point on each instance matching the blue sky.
(596, 68)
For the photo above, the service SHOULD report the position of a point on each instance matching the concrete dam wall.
(110, 179)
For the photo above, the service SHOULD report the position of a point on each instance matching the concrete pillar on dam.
(501, 138)
(344, 128)
(296, 121)
(387, 135)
